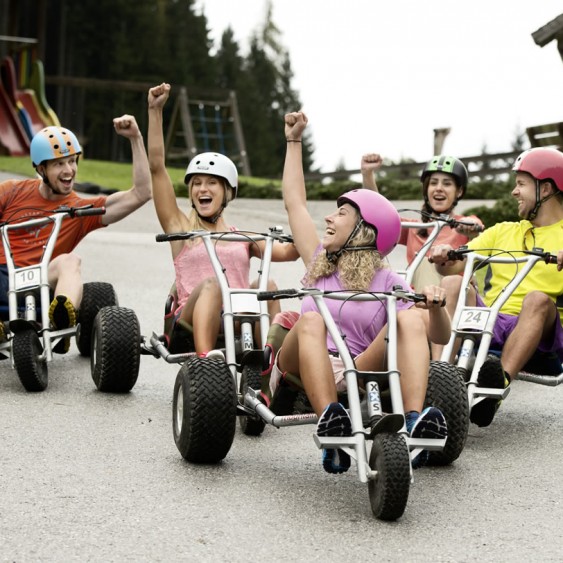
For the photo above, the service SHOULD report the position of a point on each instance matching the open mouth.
(205, 200)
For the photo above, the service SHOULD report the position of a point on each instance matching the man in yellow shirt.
(530, 320)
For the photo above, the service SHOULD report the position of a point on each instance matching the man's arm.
(121, 204)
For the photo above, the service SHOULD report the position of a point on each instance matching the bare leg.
(304, 353)
(65, 277)
(203, 313)
(535, 322)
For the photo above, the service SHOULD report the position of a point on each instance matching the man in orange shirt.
(54, 153)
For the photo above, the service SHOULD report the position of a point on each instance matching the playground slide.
(37, 85)
(21, 99)
(12, 134)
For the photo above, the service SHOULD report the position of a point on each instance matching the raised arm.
(371, 162)
(301, 223)
(166, 205)
(121, 204)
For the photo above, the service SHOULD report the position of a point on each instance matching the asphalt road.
(86, 476)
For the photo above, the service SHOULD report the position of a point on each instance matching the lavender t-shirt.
(359, 321)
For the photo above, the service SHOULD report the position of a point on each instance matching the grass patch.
(118, 175)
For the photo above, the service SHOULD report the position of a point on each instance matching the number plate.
(30, 277)
(473, 319)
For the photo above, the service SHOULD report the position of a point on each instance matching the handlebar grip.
(479, 228)
(421, 297)
(278, 294)
(90, 211)
(455, 255)
(551, 259)
(167, 237)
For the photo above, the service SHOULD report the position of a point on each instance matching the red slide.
(12, 134)
(23, 100)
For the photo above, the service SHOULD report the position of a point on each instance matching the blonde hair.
(194, 221)
(356, 268)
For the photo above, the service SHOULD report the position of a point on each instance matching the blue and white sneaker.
(335, 421)
(430, 424)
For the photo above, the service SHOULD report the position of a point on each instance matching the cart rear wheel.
(95, 296)
(250, 377)
(116, 350)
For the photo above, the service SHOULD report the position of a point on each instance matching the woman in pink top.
(212, 181)
(444, 182)
(359, 233)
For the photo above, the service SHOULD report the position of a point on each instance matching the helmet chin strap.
(45, 180)
(332, 257)
(533, 214)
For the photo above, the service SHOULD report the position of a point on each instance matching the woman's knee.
(210, 285)
(311, 323)
(411, 320)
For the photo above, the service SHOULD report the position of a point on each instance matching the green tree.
(265, 97)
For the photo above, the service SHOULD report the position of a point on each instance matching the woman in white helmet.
(212, 181)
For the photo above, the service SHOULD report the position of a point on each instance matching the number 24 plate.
(473, 319)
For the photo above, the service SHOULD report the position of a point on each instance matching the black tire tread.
(251, 377)
(95, 296)
(116, 360)
(209, 410)
(446, 390)
(32, 372)
(389, 491)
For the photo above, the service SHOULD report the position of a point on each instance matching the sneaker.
(335, 421)
(62, 315)
(491, 375)
(430, 424)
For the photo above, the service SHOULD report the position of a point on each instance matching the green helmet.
(448, 165)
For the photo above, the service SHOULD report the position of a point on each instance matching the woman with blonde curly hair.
(363, 229)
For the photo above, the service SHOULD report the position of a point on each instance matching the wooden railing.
(481, 167)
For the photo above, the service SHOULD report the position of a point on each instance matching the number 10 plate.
(29, 277)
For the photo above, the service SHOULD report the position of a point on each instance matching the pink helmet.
(543, 164)
(378, 212)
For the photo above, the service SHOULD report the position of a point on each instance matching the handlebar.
(44, 217)
(441, 220)
(275, 233)
(547, 257)
(81, 211)
(397, 292)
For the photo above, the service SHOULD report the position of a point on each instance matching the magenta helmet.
(378, 212)
(542, 163)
